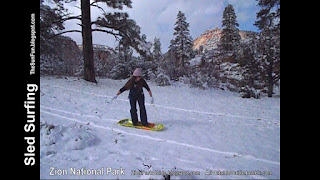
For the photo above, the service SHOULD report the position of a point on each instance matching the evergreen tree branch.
(116, 35)
(95, 4)
(64, 32)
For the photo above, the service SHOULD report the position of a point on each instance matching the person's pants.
(133, 110)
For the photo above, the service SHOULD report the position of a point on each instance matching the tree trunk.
(89, 74)
(270, 89)
(270, 79)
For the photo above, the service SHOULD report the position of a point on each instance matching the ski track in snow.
(76, 114)
(166, 107)
(250, 157)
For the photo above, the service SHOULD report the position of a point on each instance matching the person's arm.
(145, 85)
(127, 86)
(118, 93)
(150, 93)
(121, 91)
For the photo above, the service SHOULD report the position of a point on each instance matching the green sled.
(151, 126)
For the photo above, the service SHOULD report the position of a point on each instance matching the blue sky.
(157, 18)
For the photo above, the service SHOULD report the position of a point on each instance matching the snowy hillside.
(208, 132)
(211, 38)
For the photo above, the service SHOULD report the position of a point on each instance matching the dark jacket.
(135, 87)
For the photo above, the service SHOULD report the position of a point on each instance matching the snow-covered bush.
(73, 137)
(247, 92)
(119, 71)
(199, 81)
(48, 133)
(162, 80)
(184, 80)
(149, 74)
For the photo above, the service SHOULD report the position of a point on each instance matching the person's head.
(137, 73)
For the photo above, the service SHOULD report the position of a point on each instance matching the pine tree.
(49, 20)
(230, 39)
(157, 49)
(268, 21)
(124, 51)
(181, 44)
(250, 68)
(117, 24)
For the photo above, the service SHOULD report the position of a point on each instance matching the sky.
(157, 18)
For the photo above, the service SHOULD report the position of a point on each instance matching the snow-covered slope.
(207, 131)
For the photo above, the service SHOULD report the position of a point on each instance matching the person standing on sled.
(135, 85)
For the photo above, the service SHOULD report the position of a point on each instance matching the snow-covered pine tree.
(153, 65)
(124, 50)
(50, 21)
(230, 39)
(268, 21)
(145, 47)
(250, 69)
(182, 42)
(157, 49)
(122, 68)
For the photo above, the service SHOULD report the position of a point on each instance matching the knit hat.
(137, 72)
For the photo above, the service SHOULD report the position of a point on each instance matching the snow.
(207, 131)
(195, 61)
